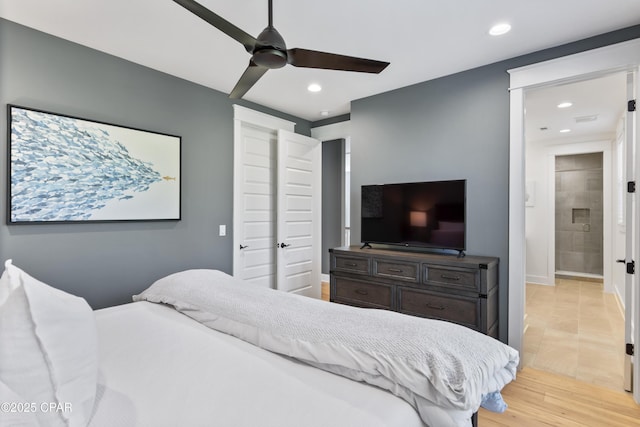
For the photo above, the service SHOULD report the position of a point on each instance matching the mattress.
(161, 368)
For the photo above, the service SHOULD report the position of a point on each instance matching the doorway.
(574, 325)
(598, 62)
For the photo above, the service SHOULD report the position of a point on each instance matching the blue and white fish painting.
(64, 171)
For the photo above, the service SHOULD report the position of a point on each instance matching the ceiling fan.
(269, 51)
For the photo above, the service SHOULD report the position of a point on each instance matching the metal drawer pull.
(395, 270)
(351, 264)
(361, 292)
(444, 276)
(436, 307)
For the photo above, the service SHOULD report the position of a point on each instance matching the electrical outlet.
(222, 230)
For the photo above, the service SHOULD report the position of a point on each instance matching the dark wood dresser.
(461, 290)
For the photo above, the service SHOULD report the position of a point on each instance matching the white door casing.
(623, 56)
(299, 214)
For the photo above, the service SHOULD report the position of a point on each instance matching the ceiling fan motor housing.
(270, 50)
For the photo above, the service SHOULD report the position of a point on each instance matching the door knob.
(284, 245)
(243, 247)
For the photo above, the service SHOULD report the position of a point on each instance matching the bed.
(182, 354)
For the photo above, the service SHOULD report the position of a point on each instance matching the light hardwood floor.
(539, 398)
(325, 291)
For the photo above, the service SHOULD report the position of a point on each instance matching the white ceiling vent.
(584, 119)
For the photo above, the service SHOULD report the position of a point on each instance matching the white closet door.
(299, 214)
(255, 206)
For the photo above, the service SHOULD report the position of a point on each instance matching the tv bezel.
(414, 245)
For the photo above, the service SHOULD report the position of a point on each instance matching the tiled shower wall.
(579, 213)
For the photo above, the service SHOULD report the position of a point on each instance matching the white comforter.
(423, 361)
(160, 368)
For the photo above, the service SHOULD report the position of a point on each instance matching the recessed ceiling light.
(500, 29)
(565, 105)
(565, 130)
(314, 87)
(324, 113)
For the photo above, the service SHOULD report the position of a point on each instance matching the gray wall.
(107, 263)
(455, 127)
(332, 172)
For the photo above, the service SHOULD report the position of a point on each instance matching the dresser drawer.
(363, 293)
(462, 310)
(462, 290)
(406, 271)
(351, 264)
(452, 277)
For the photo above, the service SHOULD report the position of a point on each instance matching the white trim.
(261, 119)
(585, 65)
(517, 260)
(325, 278)
(333, 131)
(579, 66)
(539, 280)
(578, 274)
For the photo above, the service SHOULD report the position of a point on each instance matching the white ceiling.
(423, 39)
(597, 106)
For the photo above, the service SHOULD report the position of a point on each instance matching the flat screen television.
(421, 214)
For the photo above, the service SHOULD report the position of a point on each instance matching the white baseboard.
(540, 280)
(580, 275)
(619, 301)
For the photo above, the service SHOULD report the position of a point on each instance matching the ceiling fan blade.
(220, 23)
(250, 76)
(331, 61)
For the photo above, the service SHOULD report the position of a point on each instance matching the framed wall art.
(68, 169)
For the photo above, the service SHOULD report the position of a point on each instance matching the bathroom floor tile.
(575, 329)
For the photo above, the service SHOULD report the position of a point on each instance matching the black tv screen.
(426, 214)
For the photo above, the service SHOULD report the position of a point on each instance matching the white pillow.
(48, 349)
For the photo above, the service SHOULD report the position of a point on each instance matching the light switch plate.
(222, 230)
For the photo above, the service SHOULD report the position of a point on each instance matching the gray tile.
(589, 161)
(570, 261)
(593, 180)
(565, 163)
(564, 241)
(593, 263)
(578, 242)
